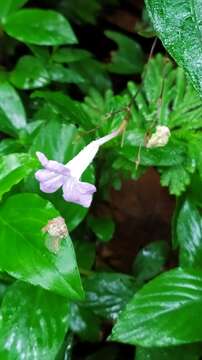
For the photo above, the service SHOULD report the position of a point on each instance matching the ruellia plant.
(70, 137)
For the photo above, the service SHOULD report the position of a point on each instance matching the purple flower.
(55, 175)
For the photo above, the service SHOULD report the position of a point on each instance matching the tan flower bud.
(159, 138)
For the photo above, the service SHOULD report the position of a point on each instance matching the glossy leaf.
(102, 227)
(25, 251)
(29, 73)
(14, 168)
(150, 260)
(39, 27)
(160, 312)
(61, 142)
(12, 114)
(178, 24)
(186, 352)
(84, 323)
(189, 234)
(128, 59)
(34, 323)
(108, 293)
(59, 73)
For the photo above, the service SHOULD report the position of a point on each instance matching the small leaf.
(128, 59)
(189, 234)
(177, 178)
(160, 312)
(103, 228)
(25, 253)
(12, 114)
(150, 261)
(108, 293)
(29, 73)
(39, 27)
(14, 168)
(34, 323)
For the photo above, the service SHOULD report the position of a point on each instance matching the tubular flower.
(55, 175)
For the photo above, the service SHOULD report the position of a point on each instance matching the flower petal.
(78, 192)
(52, 165)
(42, 158)
(49, 180)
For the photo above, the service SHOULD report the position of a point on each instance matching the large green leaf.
(12, 114)
(167, 311)
(14, 168)
(61, 142)
(39, 27)
(25, 249)
(108, 293)
(189, 234)
(34, 323)
(178, 24)
(29, 73)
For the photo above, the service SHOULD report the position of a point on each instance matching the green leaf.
(59, 73)
(69, 55)
(170, 155)
(29, 73)
(108, 293)
(129, 58)
(84, 323)
(68, 109)
(176, 178)
(194, 190)
(87, 68)
(9, 146)
(189, 234)
(102, 227)
(150, 261)
(39, 27)
(186, 352)
(14, 168)
(34, 323)
(10, 6)
(80, 11)
(12, 114)
(25, 251)
(178, 24)
(160, 313)
(85, 254)
(61, 142)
